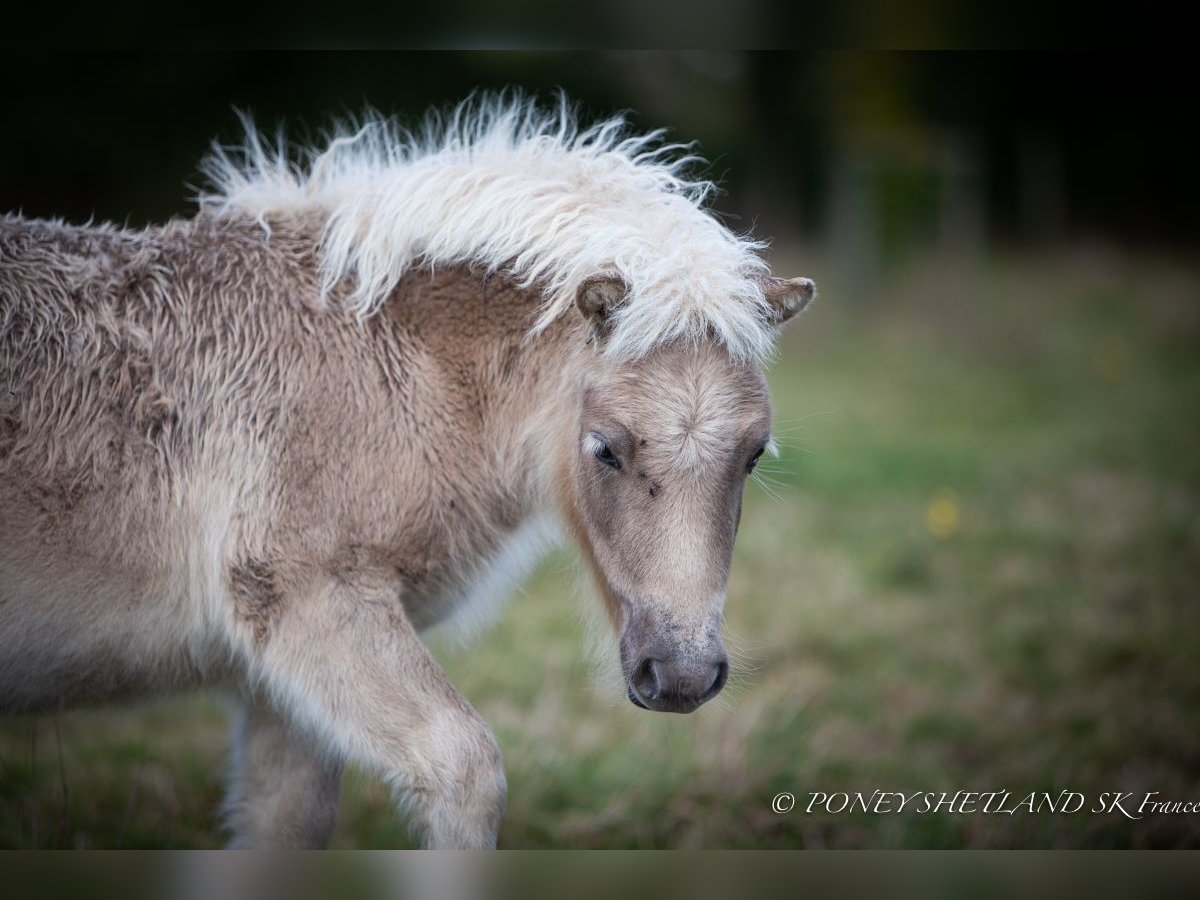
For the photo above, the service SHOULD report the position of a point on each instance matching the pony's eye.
(605, 455)
(754, 459)
(596, 444)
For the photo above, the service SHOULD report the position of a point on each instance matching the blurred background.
(975, 565)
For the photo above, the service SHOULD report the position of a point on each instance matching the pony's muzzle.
(678, 686)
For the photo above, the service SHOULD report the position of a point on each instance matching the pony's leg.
(347, 662)
(284, 790)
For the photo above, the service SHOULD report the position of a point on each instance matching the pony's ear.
(599, 295)
(787, 296)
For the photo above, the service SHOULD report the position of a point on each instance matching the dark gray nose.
(675, 685)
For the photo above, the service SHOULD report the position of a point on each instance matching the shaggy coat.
(265, 447)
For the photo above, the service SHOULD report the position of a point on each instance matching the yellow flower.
(942, 515)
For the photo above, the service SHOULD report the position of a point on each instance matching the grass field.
(976, 567)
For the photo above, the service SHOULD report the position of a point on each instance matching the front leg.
(346, 663)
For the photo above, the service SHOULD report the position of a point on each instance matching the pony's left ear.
(599, 295)
(787, 296)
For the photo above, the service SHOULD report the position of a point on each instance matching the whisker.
(768, 471)
(771, 487)
(787, 423)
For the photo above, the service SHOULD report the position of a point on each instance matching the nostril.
(720, 673)
(647, 679)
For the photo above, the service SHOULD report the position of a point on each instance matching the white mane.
(500, 183)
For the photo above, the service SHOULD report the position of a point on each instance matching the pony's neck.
(520, 388)
(536, 416)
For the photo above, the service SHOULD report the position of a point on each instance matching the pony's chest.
(470, 599)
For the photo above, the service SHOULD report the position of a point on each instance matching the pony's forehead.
(680, 365)
(677, 395)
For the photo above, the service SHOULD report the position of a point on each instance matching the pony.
(264, 448)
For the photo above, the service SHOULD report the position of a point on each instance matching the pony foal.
(262, 449)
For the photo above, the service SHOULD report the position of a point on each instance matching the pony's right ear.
(599, 295)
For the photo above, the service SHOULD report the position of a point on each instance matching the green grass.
(979, 571)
